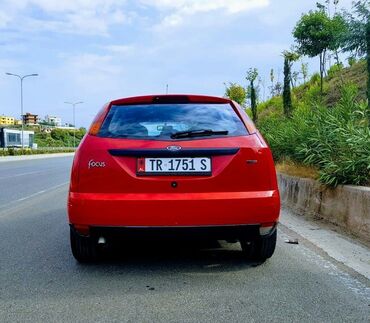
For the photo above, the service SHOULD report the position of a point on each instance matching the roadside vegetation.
(334, 140)
(55, 137)
(48, 142)
(28, 151)
(58, 137)
(320, 128)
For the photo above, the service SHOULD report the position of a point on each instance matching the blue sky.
(96, 51)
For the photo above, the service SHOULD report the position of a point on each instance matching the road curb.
(346, 206)
(33, 157)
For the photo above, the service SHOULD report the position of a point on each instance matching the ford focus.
(173, 165)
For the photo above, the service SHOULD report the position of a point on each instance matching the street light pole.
(73, 104)
(21, 78)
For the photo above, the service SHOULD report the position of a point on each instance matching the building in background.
(53, 120)
(30, 119)
(4, 120)
(13, 138)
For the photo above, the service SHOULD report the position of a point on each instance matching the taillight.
(244, 116)
(73, 185)
(98, 121)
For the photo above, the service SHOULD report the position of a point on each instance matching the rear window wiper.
(198, 133)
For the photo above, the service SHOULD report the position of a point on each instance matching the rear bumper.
(194, 233)
(174, 210)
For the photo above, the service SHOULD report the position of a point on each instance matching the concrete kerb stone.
(346, 206)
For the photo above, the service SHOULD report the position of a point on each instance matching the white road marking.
(41, 192)
(34, 194)
(30, 196)
(22, 174)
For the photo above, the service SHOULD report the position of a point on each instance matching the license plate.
(174, 166)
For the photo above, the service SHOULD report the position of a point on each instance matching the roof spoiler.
(168, 99)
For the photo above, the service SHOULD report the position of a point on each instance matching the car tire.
(83, 248)
(261, 249)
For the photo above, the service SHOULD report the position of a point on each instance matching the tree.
(304, 71)
(272, 79)
(289, 58)
(287, 97)
(272, 76)
(236, 93)
(278, 89)
(336, 2)
(358, 37)
(339, 33)
(312, 33)
(316, 33)
(252, 75)
(327, 6)
(262, 82)
(294, 79)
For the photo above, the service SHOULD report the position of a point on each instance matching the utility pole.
(21, 78)
(74, 120)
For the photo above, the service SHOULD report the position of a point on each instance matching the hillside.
(59, 138)
(310, 91)
(328, 134)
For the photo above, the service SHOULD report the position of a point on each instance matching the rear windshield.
(161, 121)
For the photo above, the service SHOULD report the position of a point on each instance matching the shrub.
(59, 138)
(334, 70)
(340, 144)
(284, 135)
(313, 95)
(272, 107)
(352, 60)
(315, 78)
(335, 140)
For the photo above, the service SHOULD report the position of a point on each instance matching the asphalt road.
(24, 179)
(40, 281)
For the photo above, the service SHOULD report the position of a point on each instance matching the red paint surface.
(237, 192)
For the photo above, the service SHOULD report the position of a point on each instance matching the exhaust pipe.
(102, 241)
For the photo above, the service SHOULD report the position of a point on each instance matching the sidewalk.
(338, 246)
(32, 157)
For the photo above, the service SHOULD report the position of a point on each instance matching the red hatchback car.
(177, 165)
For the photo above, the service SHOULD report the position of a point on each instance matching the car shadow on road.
(185, 256)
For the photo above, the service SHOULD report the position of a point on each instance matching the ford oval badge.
(174, 148)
